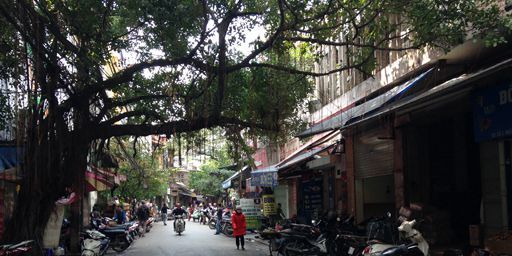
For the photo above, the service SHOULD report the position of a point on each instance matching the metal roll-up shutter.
(372, 156)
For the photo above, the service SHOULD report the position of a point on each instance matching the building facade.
(429, 131)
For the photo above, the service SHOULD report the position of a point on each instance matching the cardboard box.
(474, 235)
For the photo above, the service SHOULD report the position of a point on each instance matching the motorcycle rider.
(178, 211)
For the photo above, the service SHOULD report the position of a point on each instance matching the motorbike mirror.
(313, 222)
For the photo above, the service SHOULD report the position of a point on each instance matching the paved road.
(196, 240)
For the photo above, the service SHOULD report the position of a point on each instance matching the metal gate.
(372, 156)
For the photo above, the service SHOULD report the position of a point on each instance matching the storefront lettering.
(506, 96)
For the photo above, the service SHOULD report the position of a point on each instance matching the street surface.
(196, 240)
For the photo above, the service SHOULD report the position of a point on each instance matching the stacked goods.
(500, 243)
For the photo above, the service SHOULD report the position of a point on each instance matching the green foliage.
(153, 182)
(5, 112)
(184, 71)
(144, 177)
(208, 179)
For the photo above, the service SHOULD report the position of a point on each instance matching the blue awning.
(450, 89)
(10, 157)
(266, 177)
(305, 156)
(365, 108)
(227, 183)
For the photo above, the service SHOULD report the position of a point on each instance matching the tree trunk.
(50, 166)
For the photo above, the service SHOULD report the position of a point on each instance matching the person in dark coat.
(239, 227)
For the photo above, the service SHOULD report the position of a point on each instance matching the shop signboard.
(312, 197)
(266, 177)
(269, 205)
(492, 110)
(251, 207)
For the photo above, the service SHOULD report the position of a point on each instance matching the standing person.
(190, 211)
(142, 216)
(239, 227)
(218, 215)
(164, 213)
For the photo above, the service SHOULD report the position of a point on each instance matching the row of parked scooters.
(335, 236)
(100, 236)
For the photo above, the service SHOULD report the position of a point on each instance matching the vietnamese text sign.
(492, 110)
(264, 179)
(269, 205)
(252, 211)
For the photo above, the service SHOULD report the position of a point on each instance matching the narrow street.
(196, 240)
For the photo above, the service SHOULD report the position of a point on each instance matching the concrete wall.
(281, 196)
(410, 61)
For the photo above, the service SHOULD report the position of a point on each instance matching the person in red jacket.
(239, 225)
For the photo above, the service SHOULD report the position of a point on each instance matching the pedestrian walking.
(142, 216)
(239, 227)
(190, 211)
(164, 213)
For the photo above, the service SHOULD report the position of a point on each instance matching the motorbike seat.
(112, 231)
(397, 250)
(374, 241)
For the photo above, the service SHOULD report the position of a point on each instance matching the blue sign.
(267, 178)
(492, 112)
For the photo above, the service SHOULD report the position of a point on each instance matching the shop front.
(444, 150)
(374, 180)
(492, 126)
(308, 180)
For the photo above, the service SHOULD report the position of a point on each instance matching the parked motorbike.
(131, 226)
(226, 226)
(412, 243)
(133, 229)
(350, 238)
(179, 224)
(149, 224)
(211, 223)
(22, 248)
(119, 236)
(307, 240)
(94, 243)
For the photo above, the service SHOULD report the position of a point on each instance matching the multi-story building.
(429, 130)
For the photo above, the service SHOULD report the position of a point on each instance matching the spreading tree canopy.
(185, 65)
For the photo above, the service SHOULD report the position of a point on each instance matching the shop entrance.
(442, 173)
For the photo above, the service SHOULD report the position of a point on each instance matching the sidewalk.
(256, 238)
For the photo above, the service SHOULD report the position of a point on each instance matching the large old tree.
(184, 65)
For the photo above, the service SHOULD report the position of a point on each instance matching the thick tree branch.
(310, 73)
(52, 26)
(375, 46)
(105, 131)
(122, 103)
(266, 45)
(135, 113)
